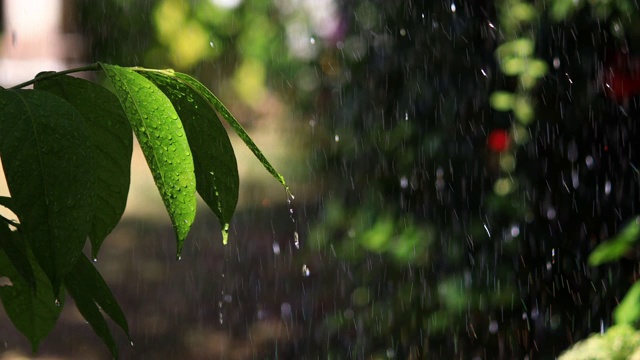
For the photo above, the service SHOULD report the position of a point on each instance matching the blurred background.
(453, 165)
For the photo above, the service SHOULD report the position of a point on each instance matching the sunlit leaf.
(213, 157)
(628, 311)
(616, 247)
(32, 312)
(47, 160)
(523, 110)
(522, 47)
(501, 100)
(112, 143)
(163, 142)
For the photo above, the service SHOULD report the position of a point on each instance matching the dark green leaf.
(616, 247)
(628, 311)
(16, 250)
(222, 110)
(47, 161)
(34, 313)
(213, 157)
(163, 141)
(88, 280)
(90, 311)
(112, 144)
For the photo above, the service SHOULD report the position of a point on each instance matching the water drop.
(57, 302)
(305, 270)
(312, 40)
(556, 63)
(179, 257)
(225, 234)
(493, 327)
(453, 7)
(296, 240)
(131, 343)
(95, 259)
(336, 138)
(607, 187)
(211, 44)
(285, 310)
(276, 248)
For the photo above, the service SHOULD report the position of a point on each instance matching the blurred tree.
(449, 239)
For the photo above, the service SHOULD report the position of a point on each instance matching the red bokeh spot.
(622, 76)
(498, 140)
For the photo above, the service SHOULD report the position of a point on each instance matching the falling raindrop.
(285, 310)
(493, 327)
(211, 44)
(305, 270)
(336, 138)
(589, 161)
(453, 7)
(391, 353)
(404, 182)
(556, 63)
(607, 187)
(276, 248)
(296, 240)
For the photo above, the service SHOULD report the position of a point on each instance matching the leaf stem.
(91, 67)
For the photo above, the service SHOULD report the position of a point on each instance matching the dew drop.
(312, 40)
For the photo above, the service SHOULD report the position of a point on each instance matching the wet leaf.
(47, 161)
(89, 290)
(163, 142)
(89, 310)
(33, 313)
(215, 164)
(112, 144)
(226, 115)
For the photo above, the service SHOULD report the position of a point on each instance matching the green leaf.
(215, 164)
(94, 286)
(16, 250)
(90, 311)
(89, 290)
(616, 247)
(112, 144)
(34, 313)
(47, 161)
(628, 311)
(163, 142)
(226, 115)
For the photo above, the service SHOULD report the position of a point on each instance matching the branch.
(91, 67)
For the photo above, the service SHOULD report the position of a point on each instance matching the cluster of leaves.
(66, 150)
(620, 342)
